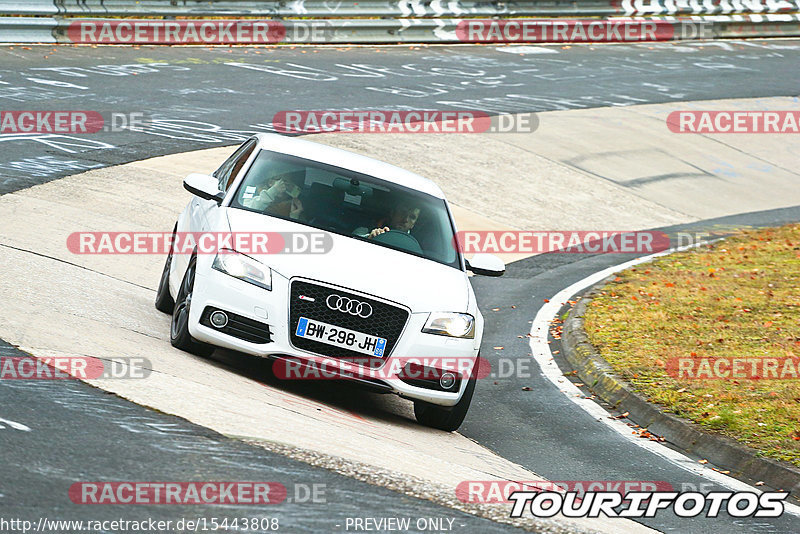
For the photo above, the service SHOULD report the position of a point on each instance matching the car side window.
(228, 170)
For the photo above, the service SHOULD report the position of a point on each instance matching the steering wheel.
(401, 240)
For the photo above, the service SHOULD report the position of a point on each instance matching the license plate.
(340, 337)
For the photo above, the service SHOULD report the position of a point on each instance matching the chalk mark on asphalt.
(14, 425)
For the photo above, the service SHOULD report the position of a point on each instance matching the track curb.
(721, 451)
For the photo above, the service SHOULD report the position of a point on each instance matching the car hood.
(422, 285)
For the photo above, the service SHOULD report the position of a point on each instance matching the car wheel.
(447, 418)
(164, 301)
(179, 328)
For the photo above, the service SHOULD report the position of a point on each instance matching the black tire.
(179, 334)
(447, 418)
(164, 301)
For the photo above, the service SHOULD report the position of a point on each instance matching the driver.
(402, 218)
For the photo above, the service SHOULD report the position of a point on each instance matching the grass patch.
(737, 298)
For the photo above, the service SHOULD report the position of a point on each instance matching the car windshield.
(348, 203)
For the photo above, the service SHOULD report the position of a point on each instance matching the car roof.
(329, 155)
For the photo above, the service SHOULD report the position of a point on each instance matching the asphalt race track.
(82, 431)
(200, 97)
(197, 98)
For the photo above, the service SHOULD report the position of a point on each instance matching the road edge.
(687, 436)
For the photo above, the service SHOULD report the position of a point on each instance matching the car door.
(200, 214)
(209, 210)
(201, 209)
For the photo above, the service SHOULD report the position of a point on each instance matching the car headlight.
(244, 268)
(450, 324)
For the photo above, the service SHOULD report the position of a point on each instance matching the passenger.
(279, 196)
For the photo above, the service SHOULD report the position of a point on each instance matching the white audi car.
(386, 285)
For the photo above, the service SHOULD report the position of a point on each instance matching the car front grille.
(386, 321)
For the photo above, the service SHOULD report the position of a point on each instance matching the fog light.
(447, 380)
(219, 319)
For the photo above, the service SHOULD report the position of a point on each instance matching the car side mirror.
(486, 264)
(204, 186)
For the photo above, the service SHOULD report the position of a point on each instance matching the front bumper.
(215, 289)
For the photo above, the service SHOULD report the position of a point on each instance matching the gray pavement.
(202, 97)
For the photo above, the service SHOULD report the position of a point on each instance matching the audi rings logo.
(351, 306)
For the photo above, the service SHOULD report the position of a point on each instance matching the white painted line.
(541, 352)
